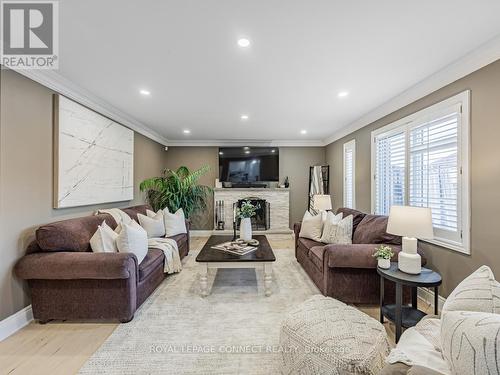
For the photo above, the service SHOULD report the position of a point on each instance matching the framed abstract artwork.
(93, 157)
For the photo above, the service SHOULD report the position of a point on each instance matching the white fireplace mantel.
(278, 198)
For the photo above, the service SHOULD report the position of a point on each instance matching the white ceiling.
(302, 54)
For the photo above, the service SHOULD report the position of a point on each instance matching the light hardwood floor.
(62, 348)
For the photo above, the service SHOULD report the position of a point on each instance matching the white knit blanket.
(120, 216)
(171, 251)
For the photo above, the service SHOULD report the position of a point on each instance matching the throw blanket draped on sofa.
(119, 215)
(169, 247)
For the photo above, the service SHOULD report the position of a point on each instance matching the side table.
(406, 316)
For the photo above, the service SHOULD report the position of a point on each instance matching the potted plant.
(177, 189)
(245, 212)
(383, 254)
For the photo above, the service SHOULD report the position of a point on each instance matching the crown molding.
(243, 142)
(63, 86)
(475, 60)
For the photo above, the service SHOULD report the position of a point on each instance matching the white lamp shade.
(322, 202)
(410, 221)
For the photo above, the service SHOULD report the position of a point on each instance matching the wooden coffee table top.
(264, 252)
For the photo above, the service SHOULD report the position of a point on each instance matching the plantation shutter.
(349, 150)
(434, 171)
(390, 166)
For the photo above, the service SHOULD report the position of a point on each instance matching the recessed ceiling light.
(244, 117)
(221, 153)
(273, 150)
(343, 94)
(246, 148)
(247, 151)
(243, 42)
(303, 132)
(186, 131)
(145, 92)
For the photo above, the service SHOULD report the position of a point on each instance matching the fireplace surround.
(273, 215)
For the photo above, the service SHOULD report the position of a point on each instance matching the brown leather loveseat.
(68, 281)
(349, 272)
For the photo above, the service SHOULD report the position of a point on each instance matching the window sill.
(460, 248)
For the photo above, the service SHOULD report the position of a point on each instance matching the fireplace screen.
(262, 218)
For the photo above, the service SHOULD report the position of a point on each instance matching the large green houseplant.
(177, 189)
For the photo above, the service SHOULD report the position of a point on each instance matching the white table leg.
(204, 279)
(268, 278)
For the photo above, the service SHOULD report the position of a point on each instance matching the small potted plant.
(245, 212)
(383, 254)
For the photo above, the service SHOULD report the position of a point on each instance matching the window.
(422, 160)
(349, 173)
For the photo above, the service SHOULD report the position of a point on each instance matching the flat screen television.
(248, 165)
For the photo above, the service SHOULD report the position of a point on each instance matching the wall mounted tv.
(248, 165)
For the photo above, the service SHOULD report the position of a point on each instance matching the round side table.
(406, 316)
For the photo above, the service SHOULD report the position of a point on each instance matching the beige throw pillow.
(470, 342)
(337, 230)
(133, 239)
(104, 239)
(154, 226)
(312, 226)
(478, 292)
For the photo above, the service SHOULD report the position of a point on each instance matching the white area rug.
(236, 326)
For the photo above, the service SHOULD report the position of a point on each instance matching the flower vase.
(384, 263)
(246, 229)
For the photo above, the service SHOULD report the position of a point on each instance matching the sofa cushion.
(134, 210)
(154, 258)
(71, 234)
(357, 216)
(316, 256)
(372, 229)
(309, 244)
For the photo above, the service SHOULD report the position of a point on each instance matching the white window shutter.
(390, 170)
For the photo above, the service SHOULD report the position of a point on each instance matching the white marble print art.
(94, 157)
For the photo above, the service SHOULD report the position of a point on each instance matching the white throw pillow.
(150, 213)
(133, 239)
(174, 223)
(478, 292)
(337, 230)
(312, 226)
(154, 226)
(470, 341)
(104, 239)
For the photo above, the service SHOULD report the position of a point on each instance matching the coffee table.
(263, 257)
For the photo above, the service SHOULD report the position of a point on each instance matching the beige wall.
(294, 163)
(485, 173)
(26, 176)
(194, 158)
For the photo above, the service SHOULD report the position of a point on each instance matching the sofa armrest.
(188, 228)
(355, 255)
(296, 231)
(77, 265)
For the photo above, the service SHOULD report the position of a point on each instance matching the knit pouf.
(325, 336)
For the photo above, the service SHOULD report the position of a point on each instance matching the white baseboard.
(207, 233)
(200, 233)
(428, 296)
(14, 323)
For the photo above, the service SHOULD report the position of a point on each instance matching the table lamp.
(411, 223)
(322, 202)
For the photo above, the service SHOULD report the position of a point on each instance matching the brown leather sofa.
(349, 272)
(68, 281)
